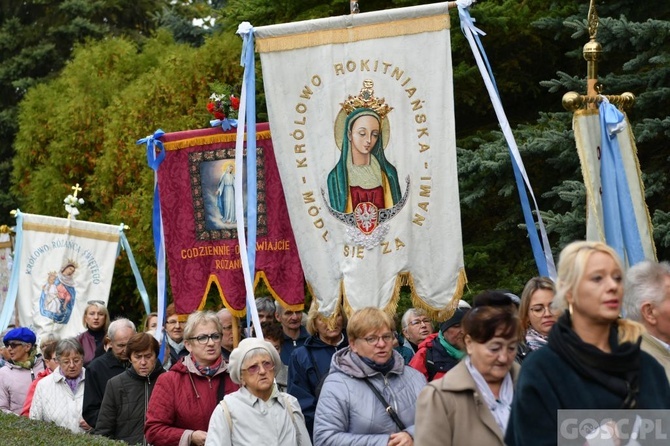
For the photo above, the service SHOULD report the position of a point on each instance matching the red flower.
(234, 102)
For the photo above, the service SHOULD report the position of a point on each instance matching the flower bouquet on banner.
(223, 105)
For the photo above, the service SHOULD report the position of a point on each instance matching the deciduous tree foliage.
(36, 40)
(82, 125)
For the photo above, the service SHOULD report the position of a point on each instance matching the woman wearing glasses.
(59, 397)
(536, 314)
(350, 409)
(471, 404)
(257, 413)
(593, 358)
(184, 398)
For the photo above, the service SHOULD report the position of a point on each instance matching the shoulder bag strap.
(392, 413)
(226, 412)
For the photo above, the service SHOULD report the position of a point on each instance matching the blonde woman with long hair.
(593, 358)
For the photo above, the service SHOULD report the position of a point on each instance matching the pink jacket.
(14, 384)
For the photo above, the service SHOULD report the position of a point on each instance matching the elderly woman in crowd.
(96, 321)
(593, 358)
(184, 398)
(257, 413)
(369, 397)
(441, 351)
(59, 397)
(21, 369)
(48, 348)
(310, 363)
(471, 403)
(124, 406)
(536, 314)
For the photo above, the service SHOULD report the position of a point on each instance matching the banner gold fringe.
(406, 279)
(261, 275)
(210, 139)
(242, 313)
(354, 34)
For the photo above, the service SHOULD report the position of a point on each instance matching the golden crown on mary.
(367, 99)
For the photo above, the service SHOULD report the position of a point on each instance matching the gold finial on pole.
(573, 101)
(76, 189)
(354, 7)
(591, 53)
(72, 201)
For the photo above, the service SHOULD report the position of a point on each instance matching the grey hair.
(198, 318)
(644, 283)
(266, 304)
(408, 315)
(119, 324)
(68, 345)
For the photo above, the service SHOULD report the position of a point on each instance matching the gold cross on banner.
(76, 189)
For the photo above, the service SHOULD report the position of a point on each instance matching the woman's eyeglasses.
(540, 310)
(254, 369)
(203, 339)
(15, 344)
(416, 322)
(372, 340)
(75, 361)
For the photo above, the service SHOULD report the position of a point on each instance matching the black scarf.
(617, 371)
(382, 368)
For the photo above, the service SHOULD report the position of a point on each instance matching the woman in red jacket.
(185, 397)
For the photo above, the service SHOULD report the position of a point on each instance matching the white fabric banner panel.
(63, 265)
(586, 125)
(362, 118)
(5, 265)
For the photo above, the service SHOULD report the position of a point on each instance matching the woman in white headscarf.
(257, 413)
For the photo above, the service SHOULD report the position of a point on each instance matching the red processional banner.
(197, 197)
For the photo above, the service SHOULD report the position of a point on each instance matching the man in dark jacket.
(105, 367)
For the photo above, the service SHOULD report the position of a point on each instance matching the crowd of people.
(496, 372)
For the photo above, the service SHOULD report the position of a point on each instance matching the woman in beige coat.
(471, 403)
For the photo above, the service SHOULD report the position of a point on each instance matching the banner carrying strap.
(247, 114)
(155, 156)
(136, 271)
(621, 229)
(541, 250)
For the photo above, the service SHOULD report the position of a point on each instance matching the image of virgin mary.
(58, 296)
(363, 174)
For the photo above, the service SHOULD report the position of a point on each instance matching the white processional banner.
(587, 128)
(362, 119)
(63, 265)
(5, 265)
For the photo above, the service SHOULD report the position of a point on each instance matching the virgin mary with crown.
(363, 175)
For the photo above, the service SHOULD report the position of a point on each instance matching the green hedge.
(22, 431)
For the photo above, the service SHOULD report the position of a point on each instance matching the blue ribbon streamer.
(543, 259)
(621, 230)
(154, 159)
(247, 60)
(12, 292)
(136, 271)
(225, 123)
